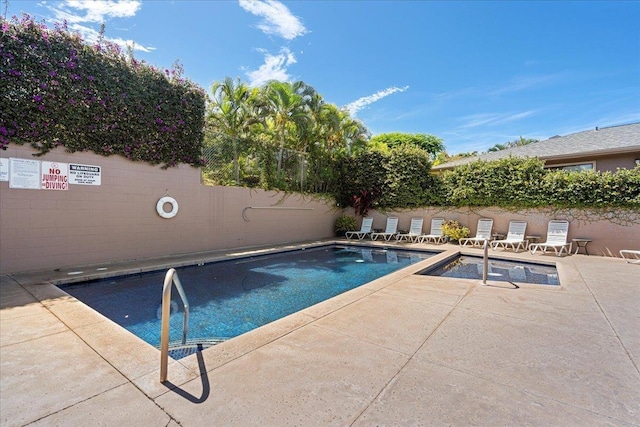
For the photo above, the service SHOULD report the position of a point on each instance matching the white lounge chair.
(630, 256)
(515, 237)
(415, 230)
(435, 234)
(557, 233)
(390, 231)
(365, 229)
(483, 233)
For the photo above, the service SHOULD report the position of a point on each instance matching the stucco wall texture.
(117, 221)
(608, 235)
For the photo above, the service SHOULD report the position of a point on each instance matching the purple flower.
(15, 73)
(41, 107)
(71, 101)
(37, 98)
(159, 121)
(52, 73)
(3, 130)
(5, 27)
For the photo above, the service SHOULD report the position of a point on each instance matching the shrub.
(343, 224)
(524, 183)
(402, 176)
(59, 91)
(512, 181)
(454, 230)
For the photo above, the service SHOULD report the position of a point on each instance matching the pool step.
(177, 350)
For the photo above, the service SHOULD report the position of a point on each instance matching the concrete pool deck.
(402, 350)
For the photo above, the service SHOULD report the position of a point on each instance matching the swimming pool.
(229, 298)
(470, 267)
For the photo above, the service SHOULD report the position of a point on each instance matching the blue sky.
(473, 73)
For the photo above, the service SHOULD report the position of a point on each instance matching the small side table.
(581, 243)
(531, 239)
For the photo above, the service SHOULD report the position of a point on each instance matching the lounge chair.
(415, 230)
(515, 237)
(435, 235)
(365, 229)
(630, 256)
(483, 233)
(557, 233)
(390, 231)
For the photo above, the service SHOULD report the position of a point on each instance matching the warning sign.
(4, 169)
(24, 173)
(55, 176)
(84, 174)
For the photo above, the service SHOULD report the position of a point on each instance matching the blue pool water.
(470, 267)
(232, 297)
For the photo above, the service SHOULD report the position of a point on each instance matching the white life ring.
(160, 207)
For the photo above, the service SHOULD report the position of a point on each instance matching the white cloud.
(523, 83)
(90, 35)
(359, 104)
(493, 119)
(80, 13)
(276, 18)
(75, 11)
(274, 68)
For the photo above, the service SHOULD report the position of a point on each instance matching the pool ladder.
(485, 261)
(171, 278)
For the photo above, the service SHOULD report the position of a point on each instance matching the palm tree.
(229, 116)
(286, 108)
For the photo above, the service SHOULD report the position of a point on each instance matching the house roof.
(597, 142)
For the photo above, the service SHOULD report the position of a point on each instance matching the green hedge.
(59, 91)
(591, 189)
(521, 183)
(401, 176)
(404, 178)
(505, 182)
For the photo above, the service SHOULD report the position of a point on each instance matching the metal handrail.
(485, 263)
(169, 278)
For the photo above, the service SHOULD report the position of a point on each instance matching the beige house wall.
(44, 229)
(609, 163)
(608, 235)
(116, 221)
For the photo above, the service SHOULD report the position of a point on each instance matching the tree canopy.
(281, 135)
(512, 144)
(429, 143)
